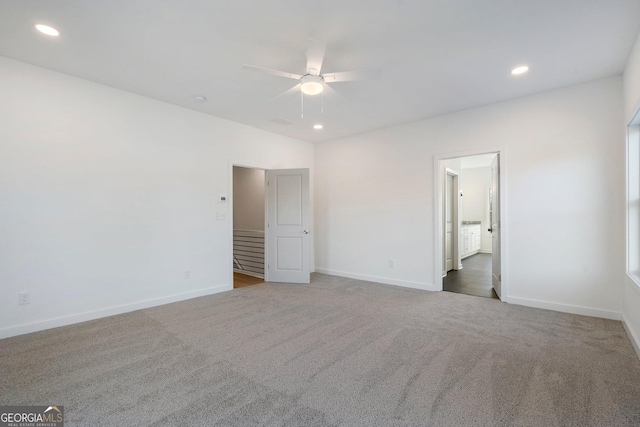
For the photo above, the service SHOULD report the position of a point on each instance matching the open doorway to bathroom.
(471, 251)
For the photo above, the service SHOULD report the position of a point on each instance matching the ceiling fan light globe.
(311, 88)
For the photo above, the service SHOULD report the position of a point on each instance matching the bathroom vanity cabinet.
(471, 238)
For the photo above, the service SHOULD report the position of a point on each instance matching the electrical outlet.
(24, 298)
(392, 264)
(187, 274)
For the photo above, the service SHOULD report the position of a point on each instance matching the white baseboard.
(633, 337)
(565, 308)
(106, 312)
(469, 254)
(385, 280)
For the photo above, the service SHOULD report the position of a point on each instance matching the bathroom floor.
(473, 279)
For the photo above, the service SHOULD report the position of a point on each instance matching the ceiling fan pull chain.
(322, 103)
(301, 105)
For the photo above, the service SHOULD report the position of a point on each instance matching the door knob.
(306, 231)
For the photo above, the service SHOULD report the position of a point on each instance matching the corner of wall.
(633, 337)
(630, 312)
(631, 80)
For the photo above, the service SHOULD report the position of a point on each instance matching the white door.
(288, 226)
(448, 231)
(494, 214)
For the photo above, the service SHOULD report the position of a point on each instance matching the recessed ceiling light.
(45, 29)
(200, 99)
(317, 127)
(520, 70)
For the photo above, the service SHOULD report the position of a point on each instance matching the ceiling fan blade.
(294, 89)
(315, 56)
(273, 72)
(330, 93)
(349, 76)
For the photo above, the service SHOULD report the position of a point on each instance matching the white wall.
(631, 78)
(631, 310)
(476, 183)
(248, 198)
(563, 160)
(106, 197)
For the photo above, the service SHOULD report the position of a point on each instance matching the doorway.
(270, 232)
(248, 226)
(469, 220)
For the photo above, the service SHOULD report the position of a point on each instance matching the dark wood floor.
(473, 279)
(242, 280)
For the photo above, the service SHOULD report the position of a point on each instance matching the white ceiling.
(436, 56)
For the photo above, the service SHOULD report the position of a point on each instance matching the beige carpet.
(336, 352)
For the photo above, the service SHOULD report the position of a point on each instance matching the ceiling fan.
(313, 82)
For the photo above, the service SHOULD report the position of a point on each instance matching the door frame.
(455, 219)
(438, 220)
(229, 210)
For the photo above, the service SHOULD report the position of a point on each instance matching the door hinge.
(499, 277)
